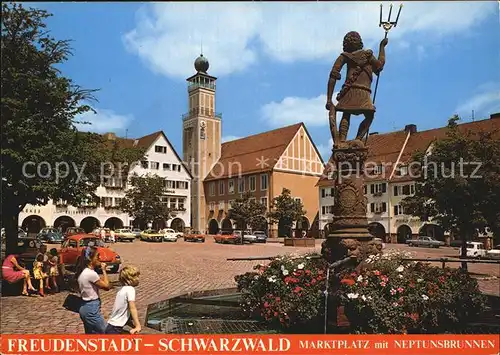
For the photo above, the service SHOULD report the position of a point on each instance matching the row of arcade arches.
(34, 223)
(227, 224)
(403, 232)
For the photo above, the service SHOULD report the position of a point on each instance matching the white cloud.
(229, 138)
(326, 149)
(103, 121)
(291, 110)
(486, 102)
(168, 36)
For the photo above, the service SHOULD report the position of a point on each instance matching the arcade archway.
(227, 225)
(113, 223)
(213, 227)
(284, 227)
(433, 231)
(33, 224)
(403, 233)
(377, 230)
(89, 224)
(178, 225)
(64, 222)
(139, 223)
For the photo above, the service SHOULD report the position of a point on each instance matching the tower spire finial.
(201, 48)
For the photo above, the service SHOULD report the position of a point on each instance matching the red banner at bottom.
(252, 344)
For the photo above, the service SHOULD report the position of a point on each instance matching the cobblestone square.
(170, 269)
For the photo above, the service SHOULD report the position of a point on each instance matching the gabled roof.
(252, 154)
(146, 142)
(385, 148)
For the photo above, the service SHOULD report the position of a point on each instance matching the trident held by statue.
(387, 25)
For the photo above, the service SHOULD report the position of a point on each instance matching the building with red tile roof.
(262, 164)
(388, 180)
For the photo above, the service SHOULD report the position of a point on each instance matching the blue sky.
(272, 61)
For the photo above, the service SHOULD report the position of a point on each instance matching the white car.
(494, 253)
(169, 235)
(475, 250)
(249, 237)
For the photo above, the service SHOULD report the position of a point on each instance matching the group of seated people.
(46, 271)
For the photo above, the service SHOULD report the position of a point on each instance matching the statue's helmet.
(352, 42)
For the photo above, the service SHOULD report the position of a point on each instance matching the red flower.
(275, 314)
(297, 289)
(266, 305)
(308, 272)
(320, 272)
(313, 281)
(349, 282)
(277, 299)
(376, 272)
(441, 279)
(414, 316)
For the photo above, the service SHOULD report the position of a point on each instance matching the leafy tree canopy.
(458, 183)
(145, 199)
(285, 208)
(44, 157)
(247, 211)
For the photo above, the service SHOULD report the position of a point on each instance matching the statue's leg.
(344, 126)
(332, 117)
(365, 125)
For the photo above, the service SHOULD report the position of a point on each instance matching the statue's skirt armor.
(355, 101)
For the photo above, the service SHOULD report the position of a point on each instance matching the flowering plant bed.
(396, 296)
(287, 293)
(387, 295)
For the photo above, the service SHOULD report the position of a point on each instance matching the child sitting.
(124, 306)
(39, 273)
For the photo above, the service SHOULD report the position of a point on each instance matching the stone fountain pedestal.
(349, 235)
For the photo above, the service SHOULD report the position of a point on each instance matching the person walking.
(89, 283)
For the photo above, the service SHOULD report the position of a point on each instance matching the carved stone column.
(349, 235)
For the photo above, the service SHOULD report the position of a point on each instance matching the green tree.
(246, 211)
(458, 184)
(284, 211)
(145, 200)
(44, 157)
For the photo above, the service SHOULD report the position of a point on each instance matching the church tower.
(201, 139)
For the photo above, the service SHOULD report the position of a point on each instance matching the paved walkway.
(170, 269)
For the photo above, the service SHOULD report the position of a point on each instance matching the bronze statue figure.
(355, 96)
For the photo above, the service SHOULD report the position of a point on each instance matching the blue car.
(50, 236)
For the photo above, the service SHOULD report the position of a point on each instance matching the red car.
(194, 237)
(227, 237)
(71, 250)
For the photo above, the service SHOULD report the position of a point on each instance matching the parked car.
(228, 237)
(261, 236)
(21, 234)
(169, 235)
(151, 235)
(73, 231)
(124, 234)
(424, 241)
(195, 236)
(71, 249)
(137, 232)
(248, 236)
(50, 235)
(475, 250)
(494, 253)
